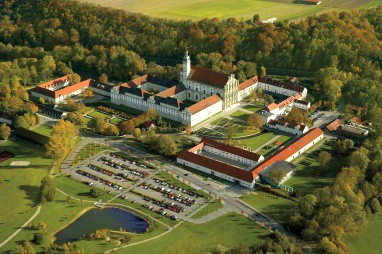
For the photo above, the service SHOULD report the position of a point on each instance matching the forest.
(42, 39)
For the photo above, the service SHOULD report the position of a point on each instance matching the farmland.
(199, 9)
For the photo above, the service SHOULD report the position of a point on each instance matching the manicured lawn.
(211, 207)
(241, 115)
(258, 141)
(116, 120)
(305, 177)
(241, 131)
(88, 110)
(100, 114)
(19, 185)
(88, 151)
(44, 129)
(254, 107)
(275, 207)
(229, 230)
(368, 241)
(86, 120)
(78, 190)
(199, 9)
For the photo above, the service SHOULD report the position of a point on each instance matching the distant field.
(199, 9)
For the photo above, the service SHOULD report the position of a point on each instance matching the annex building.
(241, 166)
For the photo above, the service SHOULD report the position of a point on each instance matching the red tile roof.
(231, 149)
(216, 166)
(272, 106)
(281, 84)
(203, 104)
(208, 77)
(171, 91)
(333, 126)
(137, 81)
(247, 83)
(288, 151)
(54, 81)
(41, 89)
(356, 120)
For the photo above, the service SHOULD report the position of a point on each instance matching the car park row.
(96, 178)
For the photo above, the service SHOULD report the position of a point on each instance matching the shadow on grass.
(32, 193)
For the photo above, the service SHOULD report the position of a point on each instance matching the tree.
(94, 193)
(375, 206)
(62, 140)
(112, 130)
(151, 114)
(323, 160)
(327, 247)
(76, 119)
(103, 78)
(38, 238)
(74, 79)
(5, 131)
(47, 189)
(256, 18)
(276, 176)
(41, 100)
(165, 145)
(97, 124)
(27, 248)
(88, 93)
(188, 129)
(137, 133)
(255, 120)
(127, 126)
(263, 71)
(359, 159)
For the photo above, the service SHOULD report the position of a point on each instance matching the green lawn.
(44, 129)
(305, 177)
(258, 141)
(116, 120)
(275, 207)
(199, 9)
(100, 114)
(255, 106)
(241, 115)
(368, 241)
(86, 120)
(19, 185)
(211, 207)
(229, 230)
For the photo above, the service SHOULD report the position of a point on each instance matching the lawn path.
(267, 143)
(22, 227)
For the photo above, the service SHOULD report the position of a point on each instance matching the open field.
(368, 241)
(275, 207)
(199, 9)
(100, 114)
(19, 185)
(229, 230)
(44, 129)
(305, 177)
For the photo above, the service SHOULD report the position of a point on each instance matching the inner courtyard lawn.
(255, 107)
(229, 230)
(275, 207)
(240, 115)
(258, 141)
(19, 186)
(100, 114)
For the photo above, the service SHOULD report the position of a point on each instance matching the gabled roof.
(208, 77)
(247, 83)
(54, 81)
(333, 126)
(203, 104)
(42, 89)
(151, 79)
(171, 91)
(134, 91)
(288, 86)
(100, 85)
(216, 165)
(231, 149)
(288, 151)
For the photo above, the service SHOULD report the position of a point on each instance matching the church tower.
(186, 66)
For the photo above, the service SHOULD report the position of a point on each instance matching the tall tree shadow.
(32, 193)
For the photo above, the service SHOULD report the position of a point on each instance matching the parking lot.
(322, 118)
(110, 171)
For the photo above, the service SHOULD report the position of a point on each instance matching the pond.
(96, 218)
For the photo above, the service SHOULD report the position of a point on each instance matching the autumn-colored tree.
(188, 129)
(74, 79)
(137, 133)
(97, 124)
(103, 78)
(323, 160)
(127, 126)
(47, 189)
(112, 130)
(76, 119)
(255, 120)
(88, 93)
(62, 140)
(5, 131)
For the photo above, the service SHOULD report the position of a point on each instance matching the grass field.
(258, 141)
(19, 185)
(199, 9)
(275, 207)
(368, 241)
(305, 177)
(116, 120)
(254, 107)
(100, 114)
(211, 207)
(44, 129)
(241, 115)
(230, 230)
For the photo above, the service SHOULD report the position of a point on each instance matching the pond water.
(106, 218)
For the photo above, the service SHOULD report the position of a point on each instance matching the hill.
(199, 9)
